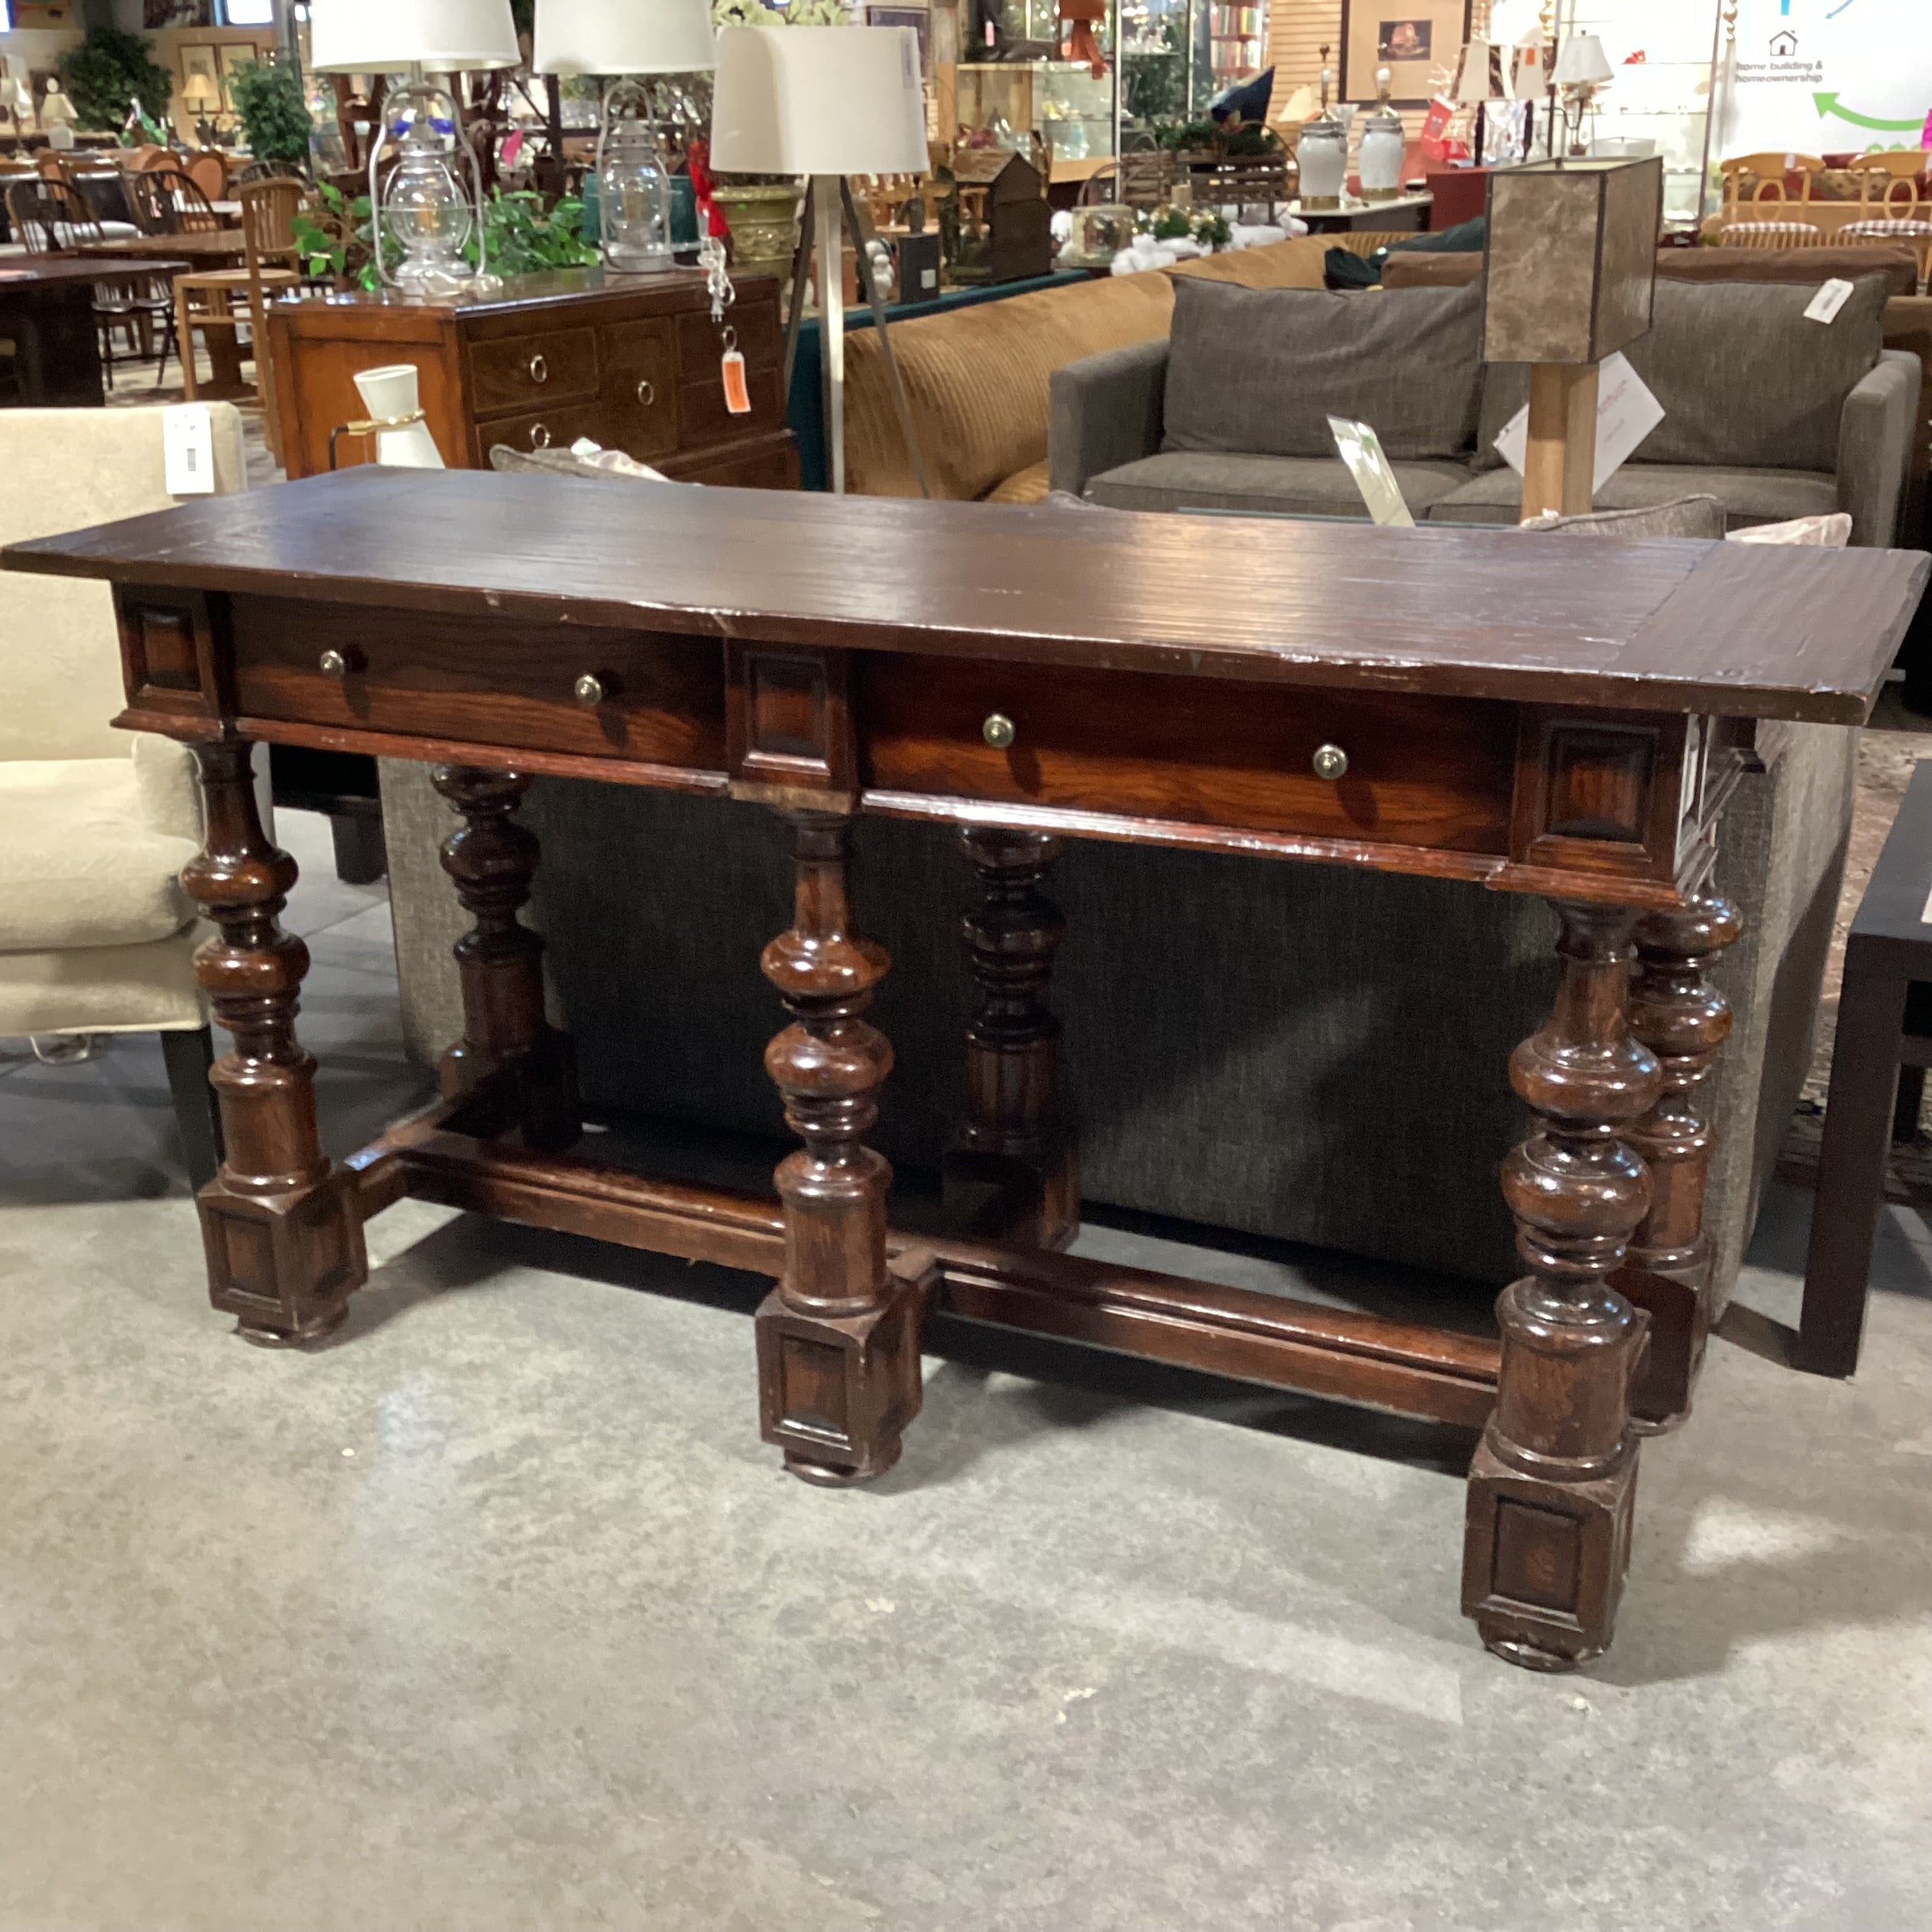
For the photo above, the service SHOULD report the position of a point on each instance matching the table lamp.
(1582, 70)
(1477, 85)
(202, 98)
(424, 207)
(825, 103)
(1571, 269)
(623, 38)
(1528, 77)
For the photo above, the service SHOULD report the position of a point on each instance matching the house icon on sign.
(1784, 46)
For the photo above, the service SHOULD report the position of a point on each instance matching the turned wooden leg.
(1015, 1164)
(282, 1227)
(1553, 1481)
(492, 859)
(838, 1339)
(1683, 1020)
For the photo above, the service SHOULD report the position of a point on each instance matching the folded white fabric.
(1832, 531)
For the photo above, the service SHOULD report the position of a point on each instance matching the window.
(241, 13)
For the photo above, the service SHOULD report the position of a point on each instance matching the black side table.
(1883, 1046)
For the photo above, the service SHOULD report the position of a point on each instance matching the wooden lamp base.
(1559, 461)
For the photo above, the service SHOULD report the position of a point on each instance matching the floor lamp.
(825, 102)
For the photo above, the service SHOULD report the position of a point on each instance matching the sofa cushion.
(977, 378)
(1292, 485)
(80, 865)
(1027, 486)
(1696, 517)
(1748, 496)
(1262, 370)
(1745, 380)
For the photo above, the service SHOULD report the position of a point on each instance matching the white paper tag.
(1626, 412)
(1361, 450)
(1832, 296)
(187, 449)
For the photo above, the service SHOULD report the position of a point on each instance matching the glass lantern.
(634, 185)
(426, 207)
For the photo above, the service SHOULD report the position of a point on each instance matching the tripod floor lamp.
(825, 102)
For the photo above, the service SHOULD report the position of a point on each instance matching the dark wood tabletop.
(43, 271)
(1733, 629)
(220, 249)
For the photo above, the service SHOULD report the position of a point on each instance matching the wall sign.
(1826, 76)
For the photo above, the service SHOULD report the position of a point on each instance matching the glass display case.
(1030, 88)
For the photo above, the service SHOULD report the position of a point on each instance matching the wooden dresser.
(631, 361)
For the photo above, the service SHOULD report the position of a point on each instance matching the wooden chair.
(209, 301)
(193, 214)
(1892, 211)
(1770, 235)
(209, 173)
(1766, 174)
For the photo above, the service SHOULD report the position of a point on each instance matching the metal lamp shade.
(818, 100)
(389, 36)
(623, 37)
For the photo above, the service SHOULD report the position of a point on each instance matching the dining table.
(46, 311)
(195, 253)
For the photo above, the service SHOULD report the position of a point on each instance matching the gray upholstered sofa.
(1299, 1051)
(1774, 415)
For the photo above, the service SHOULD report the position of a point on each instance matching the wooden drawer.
(703, 417)
(519, 371)
(766, 462)
(544, 428)
(1422, 771)
(451, 678)
(639, 361)
(760, 341)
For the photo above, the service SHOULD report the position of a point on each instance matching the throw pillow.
(1745, 381)
(1688, 516)
(1261, 371)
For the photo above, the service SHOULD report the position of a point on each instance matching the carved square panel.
(1538, 1556)
(1599, 794)
(1599, 782)
(247, 1254)
(166, 654)
(813, 1391)
(789, 724)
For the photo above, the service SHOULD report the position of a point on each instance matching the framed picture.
(918, 18)
(235, 55)
(1411, 38)
(201, 62)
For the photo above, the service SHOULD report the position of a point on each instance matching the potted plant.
(111, 73)
(275, 112)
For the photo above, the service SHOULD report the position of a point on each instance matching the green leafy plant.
(799, 13)
(525, 237)
(1207, 226)
(111, 72)
(273, 111)
(333, 233)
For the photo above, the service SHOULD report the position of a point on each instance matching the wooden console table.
(1530, 714)
(631, 361)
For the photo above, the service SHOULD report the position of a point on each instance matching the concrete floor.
(497, 1614)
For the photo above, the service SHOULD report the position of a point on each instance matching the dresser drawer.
(639, 361)
(519, 371)
(481, 683)
(1421, 771)
(760, 341)
(544, 428)
(704, 417)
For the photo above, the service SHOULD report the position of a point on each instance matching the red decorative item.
(1082, 16)
(698, 158)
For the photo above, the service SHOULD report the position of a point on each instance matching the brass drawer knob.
(539, 437)
(998, 731)
(590, 689)
(539, 369)
(1331, 762)
(645, 394)
(333, 664)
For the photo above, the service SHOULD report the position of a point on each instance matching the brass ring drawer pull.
(539, 369)
(1331, 762)
(645, 394)
(998, 731)
(589, 690)
(539, 437)
(333, 664)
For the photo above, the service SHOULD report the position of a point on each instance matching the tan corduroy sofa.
(977, 377)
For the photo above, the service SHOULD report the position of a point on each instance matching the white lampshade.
(1581, 62)
(818, 100)
(386, 36)
(1527, 63)
(1473, 79)
(623, 37)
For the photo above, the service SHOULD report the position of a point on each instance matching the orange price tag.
(737, 396)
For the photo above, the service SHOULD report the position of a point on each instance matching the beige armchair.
(96, 935)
